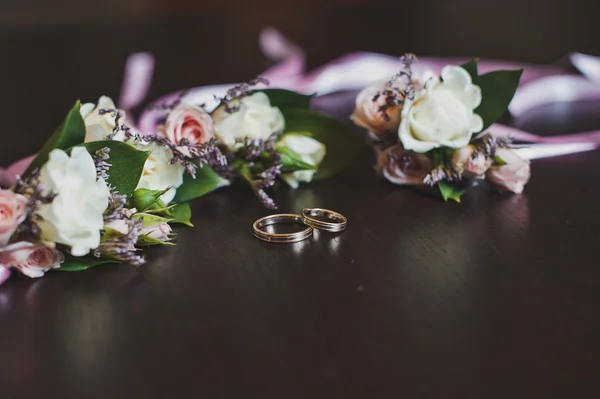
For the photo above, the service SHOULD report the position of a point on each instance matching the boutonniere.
(99, 190)
(434, 131)
(265, 135)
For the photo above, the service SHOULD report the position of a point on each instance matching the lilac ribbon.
(539, 85)
(4, 274)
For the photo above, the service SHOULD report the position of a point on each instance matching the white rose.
(159, 173)
(442, 113)
(256, 119)
(75, 216)
(309, 151)
(97, 126)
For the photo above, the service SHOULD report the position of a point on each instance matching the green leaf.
(471, 67)
(291, 161)
(144, 199)
(146, 241)
(150, 220)
(206, 181)
(70, 133)
(342, 146)
(448, 191)
(287, 99)
(498, 89)
(109, 234)
(127, 164)
(182, 213)
(499, 161)
(75, 264)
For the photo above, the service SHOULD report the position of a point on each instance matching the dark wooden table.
(497, 297)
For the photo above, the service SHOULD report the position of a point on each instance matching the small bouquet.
(434, 131)
(99, 191)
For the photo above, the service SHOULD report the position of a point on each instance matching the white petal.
(456, 77)
(476, 123)
(86, 109)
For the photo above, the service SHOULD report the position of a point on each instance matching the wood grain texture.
(496, 297)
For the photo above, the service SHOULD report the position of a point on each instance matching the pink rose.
(12, 213)
(189, 122)
(367, 112)
(158, 232)
(514, 175)
(470, 163)
(32, 260)
(403, 167)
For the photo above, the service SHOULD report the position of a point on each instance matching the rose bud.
(403, 167)
(12, 213)
(158, 232)
(368, 112)
(469, 162)
(513, 175)
(32, 260)
(188, 122)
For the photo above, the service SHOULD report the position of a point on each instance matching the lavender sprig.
(400, 87)
(231, 99)
(116, 207)
(101, 158)
(122, 248)
(259, 163)
(36, 195)
(442, 173)
(487, 144)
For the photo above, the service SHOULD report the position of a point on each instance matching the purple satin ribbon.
(539, 85)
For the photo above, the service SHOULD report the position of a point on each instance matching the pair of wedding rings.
(334, 223)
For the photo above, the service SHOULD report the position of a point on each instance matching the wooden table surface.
(497, 297)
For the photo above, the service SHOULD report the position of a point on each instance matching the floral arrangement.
(99, 191)
(434, 130)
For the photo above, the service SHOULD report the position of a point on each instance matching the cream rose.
(442, 114)
(309, 151)
(255, 119)
(159, 173)
(75, 216)
(12, 213)
(513, 175)
(97, 126)
(32, 260)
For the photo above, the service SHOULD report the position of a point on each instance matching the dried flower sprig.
(36, 195)
(487, 144)
(116, 207)
(122, 247)
(101, 158)
(230, 100)
(400, 87)
(259, 163)
(442, 173)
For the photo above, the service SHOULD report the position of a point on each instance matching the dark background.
(56, 51)
(494, 298)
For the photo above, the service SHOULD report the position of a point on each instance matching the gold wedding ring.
(336, 222)
(287, 218)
